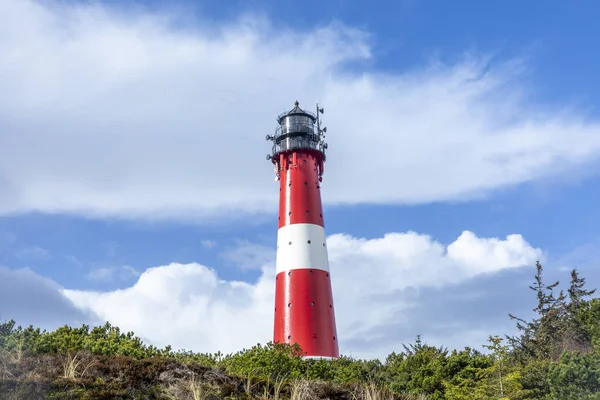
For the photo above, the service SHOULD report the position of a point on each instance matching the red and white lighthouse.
(304, 310)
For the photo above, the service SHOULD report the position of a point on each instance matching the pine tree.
(576, 337)
(539, 337)
(577, 291)
(499, 352)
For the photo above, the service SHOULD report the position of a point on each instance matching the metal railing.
(298, 143)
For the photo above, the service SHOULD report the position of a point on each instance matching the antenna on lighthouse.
(304, 312)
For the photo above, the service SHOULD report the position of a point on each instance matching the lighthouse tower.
(304, 310)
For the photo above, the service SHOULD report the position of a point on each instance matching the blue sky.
(139, 150)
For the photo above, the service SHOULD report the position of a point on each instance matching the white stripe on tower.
(301, 246)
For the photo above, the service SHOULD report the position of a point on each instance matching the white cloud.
(189, 306)
(133, 117)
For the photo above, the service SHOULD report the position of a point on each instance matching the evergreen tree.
(576, 336)
(577, 291)
(541, 337)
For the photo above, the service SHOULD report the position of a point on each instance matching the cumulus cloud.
(131, 114)
(377, 287)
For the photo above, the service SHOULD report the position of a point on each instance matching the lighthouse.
(304, 309)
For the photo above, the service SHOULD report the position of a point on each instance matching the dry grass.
(371, 392)
(75, 366)
(4, 367)
(198, 390)
(191, 388)
(302, 389)
(17, 354)
(248, 385)
(278, 385)
(252, 383)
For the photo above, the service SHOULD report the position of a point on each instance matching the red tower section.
(304, 310)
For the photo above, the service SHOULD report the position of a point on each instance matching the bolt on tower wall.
(304, 311)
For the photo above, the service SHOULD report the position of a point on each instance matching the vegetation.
(554, 356)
